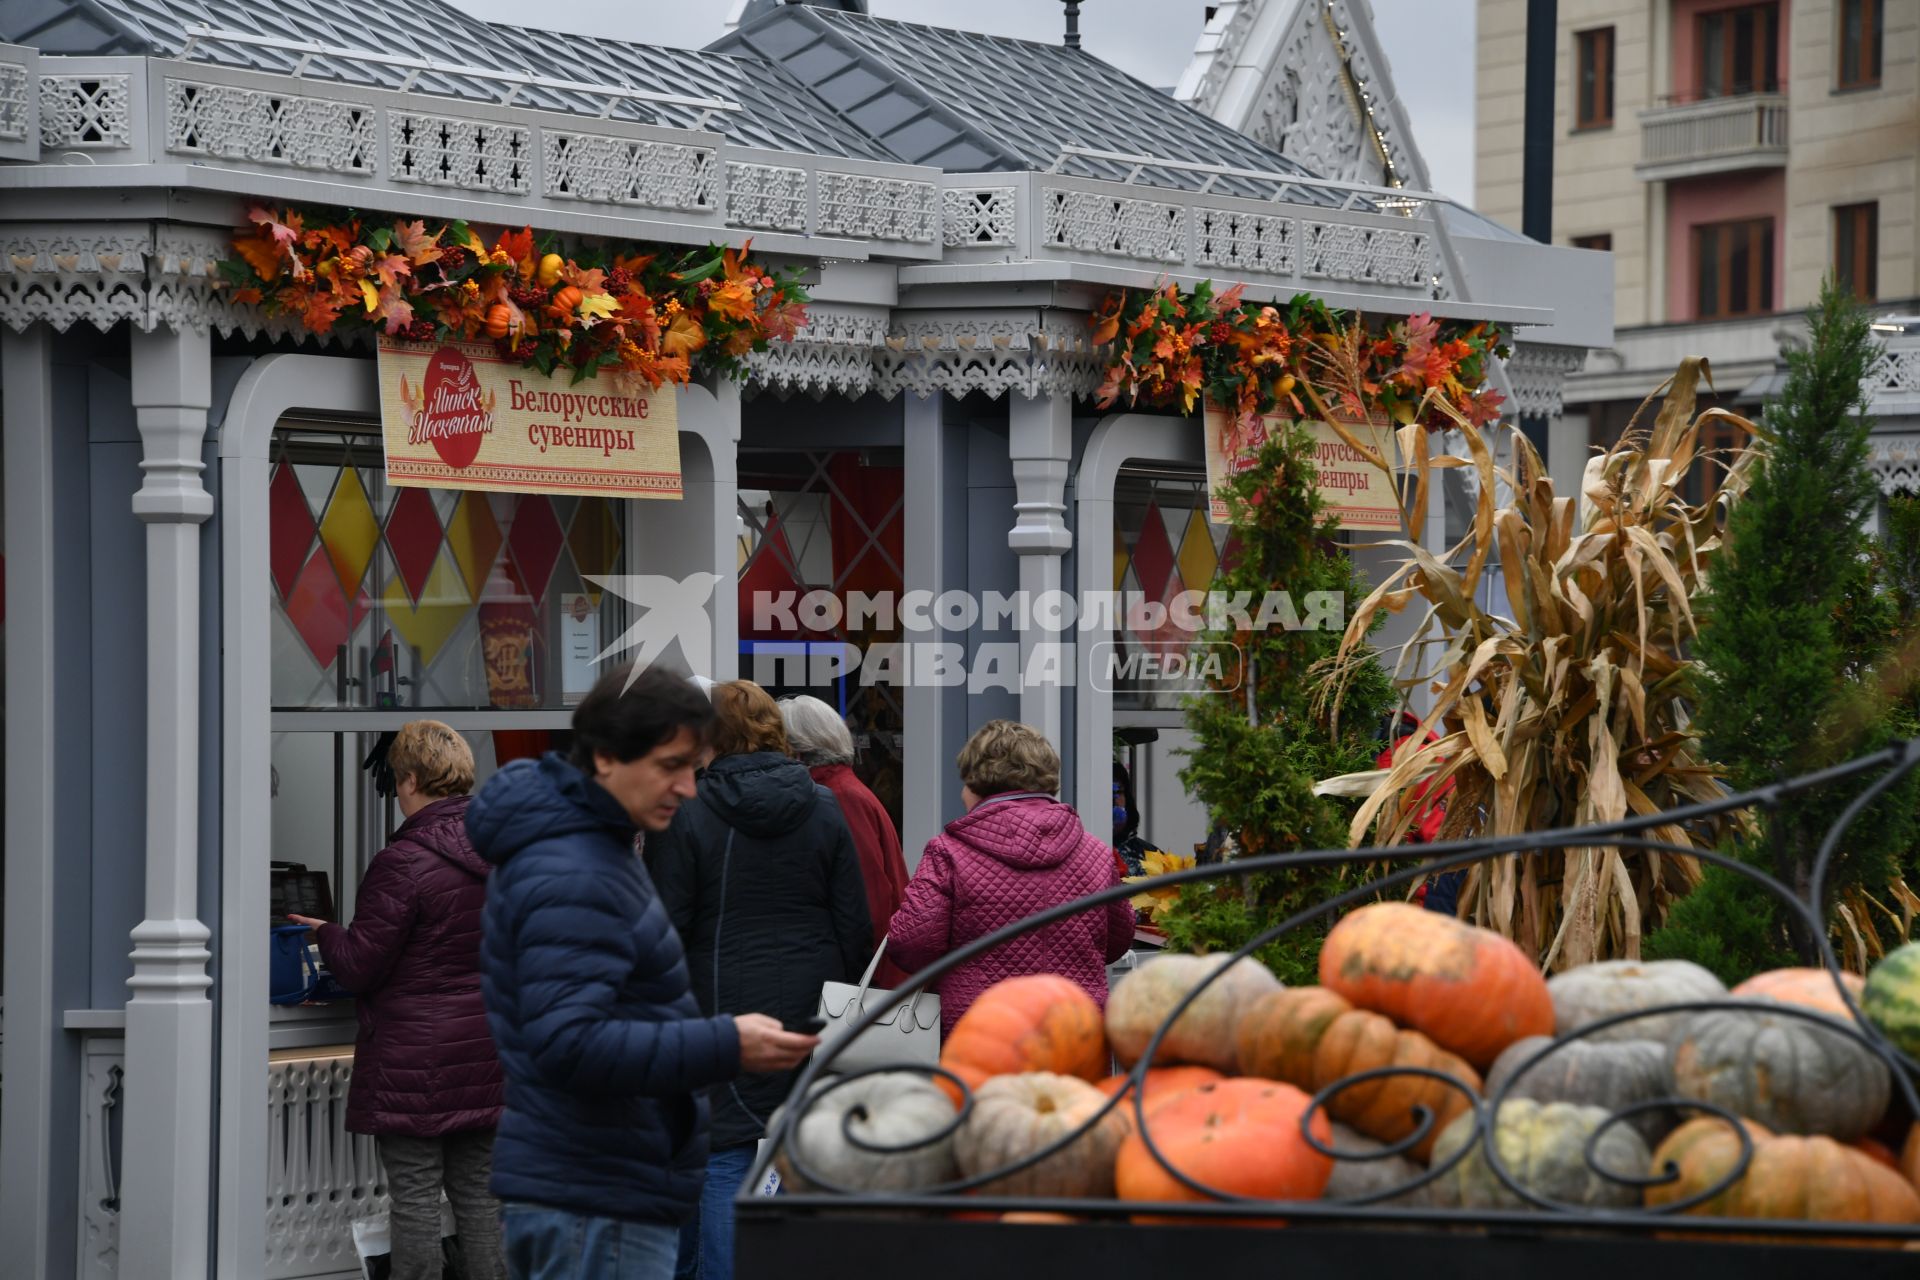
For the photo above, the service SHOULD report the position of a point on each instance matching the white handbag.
(906, 1035)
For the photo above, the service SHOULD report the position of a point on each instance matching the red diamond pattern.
(413, 536)
(536, 543)
(1153, 554)
(290, 528)
(319, 610)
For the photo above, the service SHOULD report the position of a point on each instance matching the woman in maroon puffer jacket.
(426, 1081)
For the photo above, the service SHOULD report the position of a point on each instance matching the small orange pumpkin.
(1038, 1022)
(565, 301)
(1810, 987)
(1469, 990)
(1311, 1038)
(1160, 1084)
(1240, 1136)
(499, 320)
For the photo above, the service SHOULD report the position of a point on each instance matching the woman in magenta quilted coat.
(426, 1081)
(1015, 852)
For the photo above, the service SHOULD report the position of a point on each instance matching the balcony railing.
(1718, 135)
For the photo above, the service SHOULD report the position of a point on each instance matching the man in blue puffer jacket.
(603, 1146)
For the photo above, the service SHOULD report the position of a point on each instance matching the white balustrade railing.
(1713, 136)
(504, 163)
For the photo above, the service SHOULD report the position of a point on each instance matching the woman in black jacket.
(759, 875)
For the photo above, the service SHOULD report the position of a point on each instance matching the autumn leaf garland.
(1303, 358)
(640, 315)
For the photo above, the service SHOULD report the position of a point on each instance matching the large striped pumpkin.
(1892, 999)
(1312, 1038)
(1469, 990)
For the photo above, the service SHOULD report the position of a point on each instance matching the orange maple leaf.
(414, 241)
(262, 254)
(518, 245)
(683, 337)
(732, 300)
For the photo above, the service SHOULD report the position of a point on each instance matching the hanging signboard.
(1357, 492)
(456, 415)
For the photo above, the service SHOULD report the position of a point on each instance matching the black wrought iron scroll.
(1403, 1203)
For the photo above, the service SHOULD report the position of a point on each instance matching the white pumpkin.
(896, 1111)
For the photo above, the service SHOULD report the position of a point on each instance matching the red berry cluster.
(619, 280)
(453, 258)
(528, 295)
(419, 331)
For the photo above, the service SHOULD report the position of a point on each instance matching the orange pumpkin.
(1039, 1022)
(1036, 1217)
(1471, 991)
(1877, 1152)
(1160, 1084)
(565, 301)
(1910, 1156)
(1239, 1136)
(1311, 1037)
(1810, 987)
(1789, 1179)
(499, 320)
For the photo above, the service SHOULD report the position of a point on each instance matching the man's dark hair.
(627, 723)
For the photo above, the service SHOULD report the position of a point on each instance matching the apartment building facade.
(1728, 154)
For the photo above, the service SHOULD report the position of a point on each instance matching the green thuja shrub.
(1802, 642)
(1261, 740)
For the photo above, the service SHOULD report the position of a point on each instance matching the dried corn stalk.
(1573, 711)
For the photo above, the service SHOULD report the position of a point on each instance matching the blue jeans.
(552, 1244)
(706, 1242)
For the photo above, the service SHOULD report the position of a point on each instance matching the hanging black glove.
(380, 767)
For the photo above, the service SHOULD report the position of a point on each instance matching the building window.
(1861, 23)
(1733, 268)
(1594, 109)
(1600, 240)
(1856, 248)
(1739, 51)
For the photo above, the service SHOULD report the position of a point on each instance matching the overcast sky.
(1429, 45)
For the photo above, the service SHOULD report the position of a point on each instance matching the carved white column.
(1040, 442)
(169, 1063)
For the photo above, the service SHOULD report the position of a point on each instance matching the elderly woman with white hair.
(819, 739)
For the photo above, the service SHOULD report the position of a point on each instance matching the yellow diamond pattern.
(349, 531)
(1121, 554)
(444, 605)
(1198, 560)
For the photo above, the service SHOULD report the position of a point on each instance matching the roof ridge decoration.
(1307, 78)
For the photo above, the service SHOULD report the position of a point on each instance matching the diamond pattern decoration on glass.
(473, 536)
(349, 531)
(1198, 559)
(290, 528)
(413, 538)
(319, 610)
(443, 604)
(536, 542)
(1153, 553)
(594, 539)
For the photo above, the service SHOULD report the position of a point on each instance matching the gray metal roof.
(777, 111)
(967, 102)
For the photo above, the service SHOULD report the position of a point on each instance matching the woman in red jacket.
(818, 738)
(426, 1081)
(1015, 852)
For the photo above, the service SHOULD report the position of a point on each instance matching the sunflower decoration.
(1152, 903)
